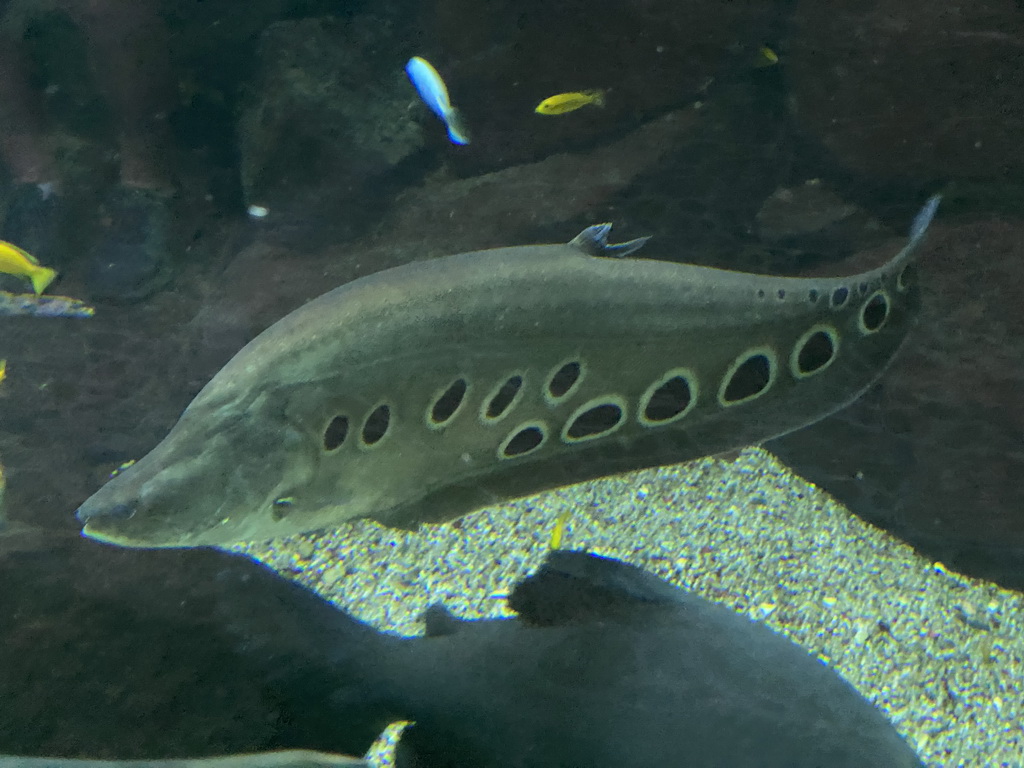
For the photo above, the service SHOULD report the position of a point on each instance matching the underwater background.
(194, 171)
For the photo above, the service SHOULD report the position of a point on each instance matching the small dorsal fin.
(439, 621)
(593, 241)
(575, 586)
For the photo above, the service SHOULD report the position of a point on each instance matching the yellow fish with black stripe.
(561, 103)
(15, 261)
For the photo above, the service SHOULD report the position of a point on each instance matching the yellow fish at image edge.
(3, 370)
(561, 103)
(14, 261)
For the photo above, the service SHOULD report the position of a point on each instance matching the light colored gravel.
(941, 654)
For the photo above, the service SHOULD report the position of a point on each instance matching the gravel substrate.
(941, 654)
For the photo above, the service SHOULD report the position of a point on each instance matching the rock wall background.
(813, 164)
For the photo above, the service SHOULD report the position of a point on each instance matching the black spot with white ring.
(376, 425)
(874, 312)
(524, 439)
(907, 278)
(448, 403)
(335, 433)
(596, 418)
(563, 381)
(669, 398)
(502, 398)
(814, 351)
(750, 376)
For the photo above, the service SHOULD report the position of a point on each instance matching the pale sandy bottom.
(940, 654)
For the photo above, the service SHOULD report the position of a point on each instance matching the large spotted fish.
(424, 392)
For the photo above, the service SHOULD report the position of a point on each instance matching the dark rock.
(133, 256)
(650, 57)
(326, 126)
(809, 215)
(117, 654)
(552, 198)
(912, 91)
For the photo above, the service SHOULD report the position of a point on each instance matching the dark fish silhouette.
(424, 392)
(606, 665)
(284, 759)
(198, 653)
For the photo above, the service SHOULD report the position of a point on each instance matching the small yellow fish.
(569, 102)
(122, 468)
(766, 57)
(14, 261)
(3, 370)
(558, 534)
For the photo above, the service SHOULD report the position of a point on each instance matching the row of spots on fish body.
(841, 294)
(667, 400)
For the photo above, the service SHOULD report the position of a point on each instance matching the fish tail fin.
(924, 218)
(918, 228)
(598, 96)
(457, 131)
(41, 279)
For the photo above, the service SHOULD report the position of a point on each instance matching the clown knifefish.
(423, 392)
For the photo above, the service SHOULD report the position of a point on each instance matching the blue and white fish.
(432, 90)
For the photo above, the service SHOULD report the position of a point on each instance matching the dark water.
(167, 127)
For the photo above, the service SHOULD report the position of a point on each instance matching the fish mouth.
(116, 512)
(108, 524)
(89, 530)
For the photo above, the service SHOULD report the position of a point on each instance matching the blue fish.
(432, 90)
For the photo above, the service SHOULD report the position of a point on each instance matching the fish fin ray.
(41, 279)
(593, 241)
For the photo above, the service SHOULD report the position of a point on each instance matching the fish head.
(222, 475)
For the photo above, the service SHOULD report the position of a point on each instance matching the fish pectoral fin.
(41, 279)
(593, 241)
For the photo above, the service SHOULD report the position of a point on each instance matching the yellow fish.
(3, 370)
(558, 534)
(569, 102)
(766, 57)
(14, 261)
